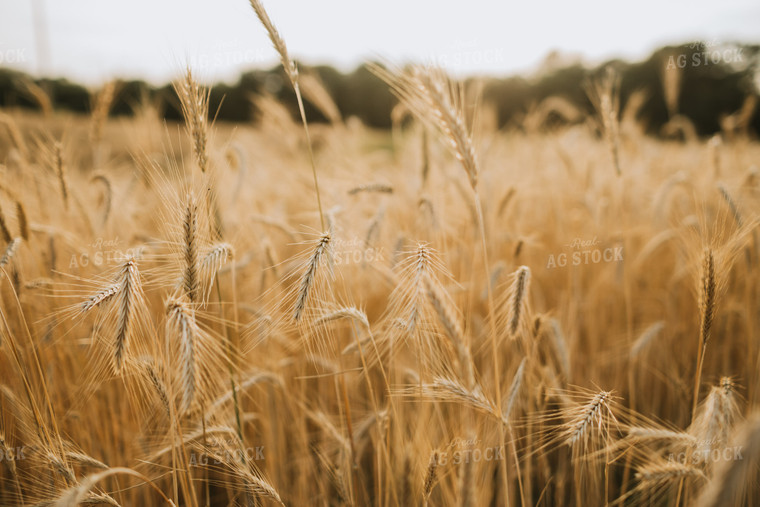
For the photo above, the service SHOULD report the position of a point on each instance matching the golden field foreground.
(517, 317)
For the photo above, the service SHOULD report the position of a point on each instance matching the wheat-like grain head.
(436, 101)
(194, 100)
(181, 325)
(126, 300)
(322, 251)
(190, 249)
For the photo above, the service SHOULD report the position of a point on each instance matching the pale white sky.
(94, 40)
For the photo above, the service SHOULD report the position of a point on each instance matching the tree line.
(709, 83)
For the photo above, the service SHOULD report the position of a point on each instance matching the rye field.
(446, 313)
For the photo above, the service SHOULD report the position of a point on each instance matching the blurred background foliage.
(705, 92)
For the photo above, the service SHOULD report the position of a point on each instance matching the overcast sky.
(95, 40)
